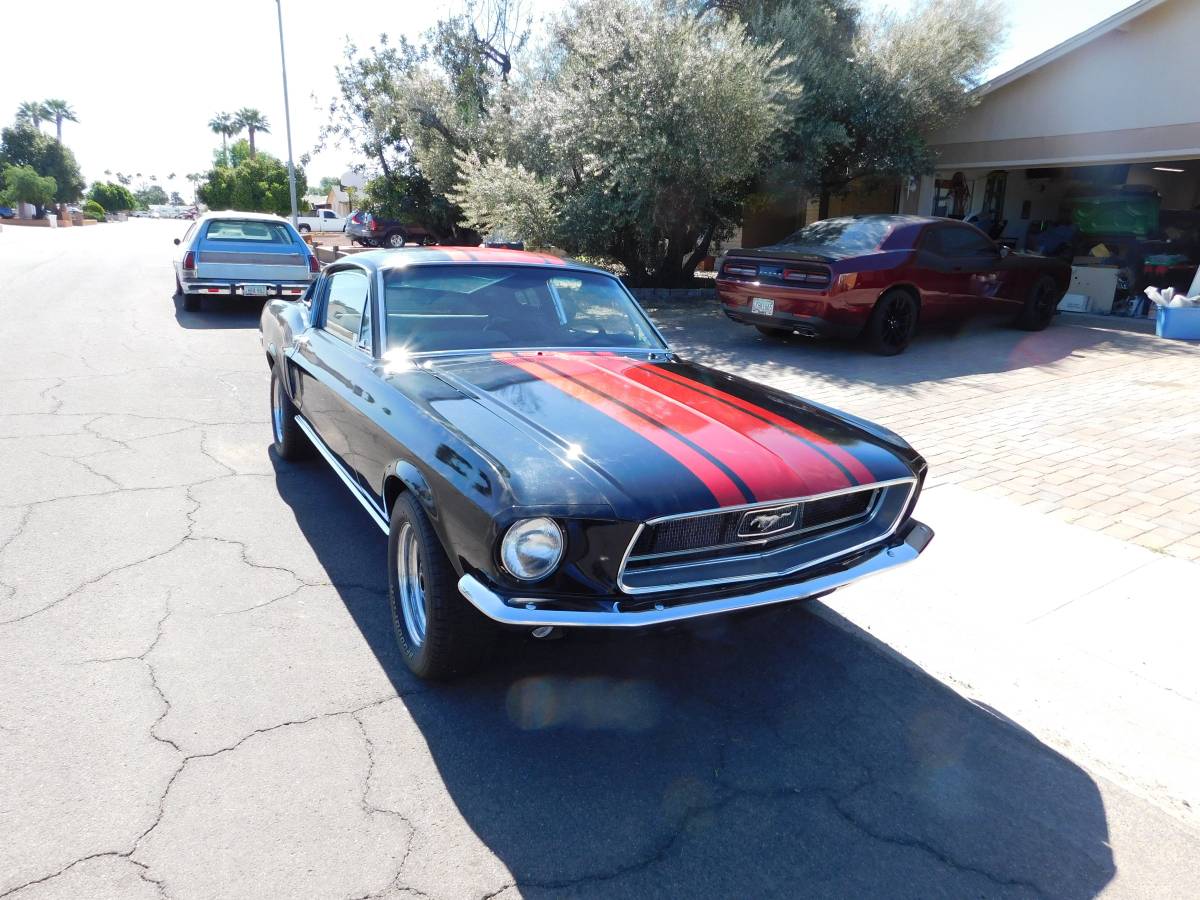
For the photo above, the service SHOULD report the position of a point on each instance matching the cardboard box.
(1099, 283)
(1074, 303)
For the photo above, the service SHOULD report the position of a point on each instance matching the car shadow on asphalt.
(222, 313)
(975, 347)
(772, 754)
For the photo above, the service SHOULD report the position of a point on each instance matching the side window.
(962, 241)
(345, 304)
(932, 241)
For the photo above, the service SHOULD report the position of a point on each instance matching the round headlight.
(532, 548)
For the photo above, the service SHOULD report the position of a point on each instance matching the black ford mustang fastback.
(539, 458)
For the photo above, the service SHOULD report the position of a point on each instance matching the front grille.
(721, 530)
(762, 541)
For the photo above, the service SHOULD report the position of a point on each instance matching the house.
(1110, 116)
(339, 201)
(1112, 112)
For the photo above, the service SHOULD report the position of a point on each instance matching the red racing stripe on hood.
(750, 463)
(851, 466)
(812, 472)
(723, 488)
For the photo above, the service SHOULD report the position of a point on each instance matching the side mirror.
(176, 242)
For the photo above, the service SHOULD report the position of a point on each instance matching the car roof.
(250, 216)
(386, 260)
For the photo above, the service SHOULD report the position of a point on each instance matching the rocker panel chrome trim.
(347, 479)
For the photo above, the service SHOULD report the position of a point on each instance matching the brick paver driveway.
(1092, 425)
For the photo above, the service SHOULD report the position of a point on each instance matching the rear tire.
(304, 229)
(773, 332)
(191, 302)
(1040, 305)
(290, 442)
(395, 240)
(893, 323)
(439, 633)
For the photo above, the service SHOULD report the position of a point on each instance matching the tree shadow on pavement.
(772, 754)
(219, 313)
(976, 347)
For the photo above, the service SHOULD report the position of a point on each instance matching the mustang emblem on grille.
(757, 523)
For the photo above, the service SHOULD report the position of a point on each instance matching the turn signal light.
(313, 264)
(189, 260)
(847, 281)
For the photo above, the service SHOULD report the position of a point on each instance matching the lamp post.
(287, 115)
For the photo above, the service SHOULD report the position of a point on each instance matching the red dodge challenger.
(877, 276)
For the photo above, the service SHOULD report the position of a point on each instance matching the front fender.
(414, 480)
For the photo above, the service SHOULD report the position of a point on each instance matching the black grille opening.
(704, 532)
(830, 510)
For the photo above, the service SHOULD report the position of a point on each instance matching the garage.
(1090, 151)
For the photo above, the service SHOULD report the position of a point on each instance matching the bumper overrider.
(638, 611)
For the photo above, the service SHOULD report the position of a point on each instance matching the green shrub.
(93, 210)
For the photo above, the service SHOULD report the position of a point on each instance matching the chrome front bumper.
(533, 612)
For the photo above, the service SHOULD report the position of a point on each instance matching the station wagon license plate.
(256, 290)
(762, 306)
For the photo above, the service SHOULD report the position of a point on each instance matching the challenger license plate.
(762, 306)
(256, 290)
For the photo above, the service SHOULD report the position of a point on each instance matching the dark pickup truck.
(373, 231)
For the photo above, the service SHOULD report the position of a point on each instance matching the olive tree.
(641, 133)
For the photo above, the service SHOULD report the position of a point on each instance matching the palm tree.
(60, 111)
(223, 124)
(195, 178)
(252, 120)
(32, 112)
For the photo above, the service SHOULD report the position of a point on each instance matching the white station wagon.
(235, 254)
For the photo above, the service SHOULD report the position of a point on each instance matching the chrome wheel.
(410, 581)
(277, 409)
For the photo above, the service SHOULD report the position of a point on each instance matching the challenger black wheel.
(439, 632)
(892, 324)
(290, 442)
(1039, 305)
(773, 332)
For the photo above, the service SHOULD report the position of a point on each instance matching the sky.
(145, 76)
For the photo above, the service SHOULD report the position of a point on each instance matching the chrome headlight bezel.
(541, 530)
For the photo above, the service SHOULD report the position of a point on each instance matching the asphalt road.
(199, 695)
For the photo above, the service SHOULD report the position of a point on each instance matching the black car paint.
(444, 429)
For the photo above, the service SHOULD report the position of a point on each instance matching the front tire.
(1040, 305)
(439, 633)
(893, 323)
(289, 441)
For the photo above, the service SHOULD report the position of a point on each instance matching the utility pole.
(287, 116)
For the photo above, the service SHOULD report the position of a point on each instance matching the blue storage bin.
(1181, 323)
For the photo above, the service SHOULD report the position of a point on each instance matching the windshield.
(845, 234)
(248, 230)
(431, 308)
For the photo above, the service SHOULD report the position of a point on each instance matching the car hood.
(653, 438)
